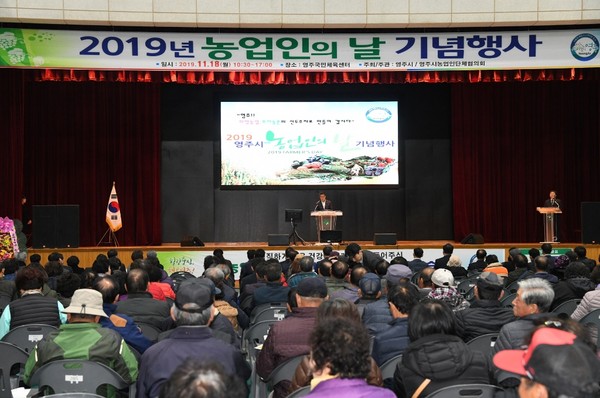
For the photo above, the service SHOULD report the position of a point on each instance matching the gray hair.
(454, 261)
(537, 291)
(185, 318)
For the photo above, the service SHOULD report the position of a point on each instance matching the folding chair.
(75, 375)
(507, 301)
(567, 308)
(27, 336)
(256, 311)
(466, 391)
(11, 355)
(389, 367)
(150, 331)
(483, 343)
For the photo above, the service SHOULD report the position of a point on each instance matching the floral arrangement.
(8, 239)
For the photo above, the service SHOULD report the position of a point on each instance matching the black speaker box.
(331, 236)
(384, 239)
(590, 222)
(278, 240)
(472, 239)
(191, 241)
(56, 226)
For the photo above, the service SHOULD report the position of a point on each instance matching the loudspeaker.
(56, 226)
(590, 222)
(191, 241)
(278, 239)
(384, 239)
(331, 236)
(472, 239)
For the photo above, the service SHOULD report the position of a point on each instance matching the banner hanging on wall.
(448, 51)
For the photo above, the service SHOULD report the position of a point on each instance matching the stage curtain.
(12, 111)
(105, 132)
(511, 144)
(250, 78)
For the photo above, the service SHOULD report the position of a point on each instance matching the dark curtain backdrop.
(12, 113)
(69, 142)
(514, 142)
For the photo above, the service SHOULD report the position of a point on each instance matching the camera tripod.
(294, 236)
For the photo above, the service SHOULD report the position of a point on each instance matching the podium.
(325, 220)
(549, 222)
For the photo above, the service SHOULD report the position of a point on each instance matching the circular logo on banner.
(113, 207)
(584, 47)
(378, 115)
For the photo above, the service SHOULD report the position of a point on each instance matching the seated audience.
(196, 378)
(417, 264)
(542, 265)
(369, 291)
(290, 337)
(444, 290)
(486, 314)
(192, 312)
(392, 341)
(479, 264)
(591, 300)
(576, 284)
(33, 306)
(447, 251)
(273, 291)
(336, 308)
(498, 269)
(350, 291)
(436, 357)
(66, 284)
(521, 270)
(307, 264)
(554, 364)
(339, 273)
(140, 305)
(581, 252)
(83, 338)
(455, 266)
(358, 257)
(341, 369)
(120, 323)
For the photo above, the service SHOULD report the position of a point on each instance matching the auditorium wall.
(193, 202)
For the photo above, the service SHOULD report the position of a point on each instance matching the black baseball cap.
(194, 295)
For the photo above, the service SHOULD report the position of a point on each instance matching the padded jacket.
(484, 316)
(590, 302)
(444, 359)
(392, 341)
(573, 288)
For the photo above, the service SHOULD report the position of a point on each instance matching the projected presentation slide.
(309, 143)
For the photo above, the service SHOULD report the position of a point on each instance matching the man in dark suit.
(416, 265)
(323, 203)
(479, 265)
(442, 262)
(553, 201)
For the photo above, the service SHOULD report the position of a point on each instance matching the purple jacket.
(349, 388)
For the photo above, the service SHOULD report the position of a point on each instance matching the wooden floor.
(88, 254)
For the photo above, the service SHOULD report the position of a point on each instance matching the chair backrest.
(265, 307)
(567, 308)
(415, 278)
(507, 301)
(301, 392)
(592, 321)
(27, 336)
(466, 391)
(271, 314)
(389, 367)
(464, 286)
(11, 355)
(483, 343)
(254, 336)
(513, 287)
(284, 371)
(75, 375)
(150, 331)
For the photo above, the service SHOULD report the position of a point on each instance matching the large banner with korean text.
(37, 48)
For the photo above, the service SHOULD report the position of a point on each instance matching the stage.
(174, 257)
